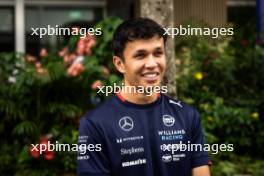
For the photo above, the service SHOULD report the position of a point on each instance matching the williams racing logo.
(171, 135)
(168, 120)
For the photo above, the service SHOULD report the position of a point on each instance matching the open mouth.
(150, 77)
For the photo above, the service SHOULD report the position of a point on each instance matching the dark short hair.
(134, 29)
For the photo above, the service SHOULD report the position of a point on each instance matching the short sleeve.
(91, 158)
(199, 157)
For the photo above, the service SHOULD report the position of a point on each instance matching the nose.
(151, 62)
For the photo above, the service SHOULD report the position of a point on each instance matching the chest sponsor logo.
(131, 150)
(85, 157)
(82, 139)
(172, 147)
(134, 163)
(170, 135)
(168, 120)
(126, 123)
(168, 157)
(127, 139)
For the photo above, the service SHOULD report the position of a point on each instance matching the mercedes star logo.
(126, 123)
(168, 120)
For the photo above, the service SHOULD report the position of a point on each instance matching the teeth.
(151, 75)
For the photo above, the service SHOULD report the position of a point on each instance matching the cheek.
(134, 67)
(162, 64)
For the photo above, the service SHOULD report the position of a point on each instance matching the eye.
(140, 55)
(158, 53)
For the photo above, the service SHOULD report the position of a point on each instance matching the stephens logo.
(131, 150)
(168, 120)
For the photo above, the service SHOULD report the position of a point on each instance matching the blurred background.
(47, 84)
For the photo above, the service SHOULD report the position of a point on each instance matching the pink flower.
(97, 84)
(30, 58)
(39, 69)
(68, 58)
(43, 52)
(84, 45)
(75, 69)
(89, 45)
(35, 152)
(63, 52)
(37, 65)
(81, 46)
(49, 155)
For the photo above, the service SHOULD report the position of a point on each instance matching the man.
(138, 131)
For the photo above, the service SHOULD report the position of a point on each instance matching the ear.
(119, 64)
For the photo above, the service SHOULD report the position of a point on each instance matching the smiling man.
(138, 132)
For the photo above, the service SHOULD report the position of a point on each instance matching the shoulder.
(102, 113)
(179, 105)
(186, 111)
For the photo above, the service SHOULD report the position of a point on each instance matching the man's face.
(144, 62)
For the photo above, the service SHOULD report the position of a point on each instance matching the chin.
(151, 84)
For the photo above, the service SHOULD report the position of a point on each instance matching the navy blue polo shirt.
(128, 139)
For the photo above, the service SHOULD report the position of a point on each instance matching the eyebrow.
(142, 51)
(138, 52)
(158, 48)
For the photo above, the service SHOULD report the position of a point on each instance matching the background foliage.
(45, 101)
(222, 78)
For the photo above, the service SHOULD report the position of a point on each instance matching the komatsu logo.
(133, 163)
